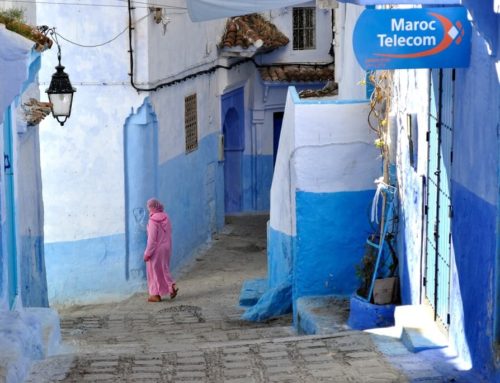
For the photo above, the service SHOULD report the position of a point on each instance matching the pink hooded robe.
(157, 254)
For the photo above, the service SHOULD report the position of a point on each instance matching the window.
(304, 28)
(191, 123)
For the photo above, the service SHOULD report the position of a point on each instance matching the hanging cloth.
(374, 212)
(202, 10)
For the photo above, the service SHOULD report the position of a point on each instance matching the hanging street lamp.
(60, 91)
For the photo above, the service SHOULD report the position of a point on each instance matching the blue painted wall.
(33, 275)
(256, 195)
(321, 195)
(332, 229)
(475, 199)
(27, 198)
(192, 189)
(140, 159)
(190, 186)
(474, 304)
(82, 269)
(474, 243)
(280, 250)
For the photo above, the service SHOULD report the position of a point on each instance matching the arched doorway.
(234, 146)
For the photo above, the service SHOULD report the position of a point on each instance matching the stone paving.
(199, 337)
(345, 358)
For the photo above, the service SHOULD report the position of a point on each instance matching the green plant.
(13, 19)
(14, 14)
(365, 269)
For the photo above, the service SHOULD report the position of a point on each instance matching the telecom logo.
(413, 38)
(453, 33)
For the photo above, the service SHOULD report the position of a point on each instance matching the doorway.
(439, 211)
(234, 146)
(277, 122)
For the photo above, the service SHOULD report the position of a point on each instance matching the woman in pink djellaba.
(158, 252)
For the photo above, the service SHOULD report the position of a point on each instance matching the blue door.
(277, 122)
(10, 223)
(234, 145)
(141, 158)
(438, 207)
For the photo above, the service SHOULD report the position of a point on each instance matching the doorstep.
(322, 315)
(419, 331)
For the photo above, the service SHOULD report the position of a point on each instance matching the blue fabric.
(275, 302)
(201, 10)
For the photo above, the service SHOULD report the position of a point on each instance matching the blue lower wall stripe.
(474, 233)
(87, 269)
(332, 229)
(280, 249)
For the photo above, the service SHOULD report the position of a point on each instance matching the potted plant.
(374, 302)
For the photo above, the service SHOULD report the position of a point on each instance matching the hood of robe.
(160, 219)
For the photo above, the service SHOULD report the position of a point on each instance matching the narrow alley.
(198, 337)
(329, 169)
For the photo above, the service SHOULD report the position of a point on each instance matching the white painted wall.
(410, 88)
(283, 187)
(283, 19)
(310, 127)
(82, 162)
(348, 73)
(183, 47)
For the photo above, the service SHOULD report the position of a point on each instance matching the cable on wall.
(193, 75)
(144, 4)
(104, 43)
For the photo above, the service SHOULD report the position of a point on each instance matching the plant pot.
(364, 315)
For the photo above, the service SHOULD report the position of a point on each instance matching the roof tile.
(252, 30)
(296, 73)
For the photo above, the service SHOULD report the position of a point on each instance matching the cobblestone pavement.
(198, 337)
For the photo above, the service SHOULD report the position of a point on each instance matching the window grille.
(191, 123)
(304, 28)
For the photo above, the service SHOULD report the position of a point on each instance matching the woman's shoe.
(173, 294)
(154, 298)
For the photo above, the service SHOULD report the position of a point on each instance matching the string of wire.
(101, 44)
(160, 5)
(145, 5)
(209, 70)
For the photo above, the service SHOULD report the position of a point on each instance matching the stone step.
(322, 314)
(419, 331)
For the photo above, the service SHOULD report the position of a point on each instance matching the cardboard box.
(385, 290)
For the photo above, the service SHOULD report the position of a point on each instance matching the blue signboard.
(412, 2)
(413, 38)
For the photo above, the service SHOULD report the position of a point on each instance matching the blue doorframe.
(141, 183)
(233, 129)
(10, 216)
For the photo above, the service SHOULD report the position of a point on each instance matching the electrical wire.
(104, 43)
(193, 75)
(159, 5)
(95, 5)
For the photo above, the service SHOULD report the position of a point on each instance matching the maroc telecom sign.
(413, 38)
